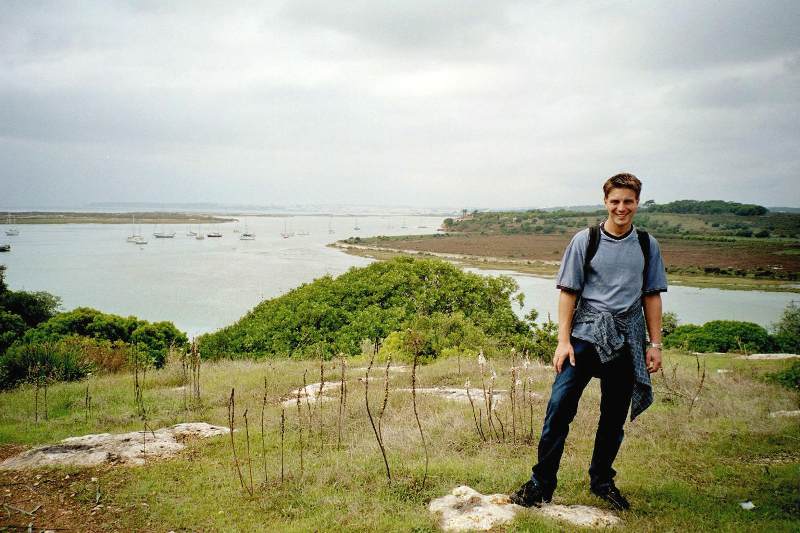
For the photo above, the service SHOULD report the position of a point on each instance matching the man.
(608, 276)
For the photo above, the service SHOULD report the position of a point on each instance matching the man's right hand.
(564, 351)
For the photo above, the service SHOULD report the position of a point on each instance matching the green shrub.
(152, 338)
(789, 377)
(787, 329)
(337, 314)
(669, 322)
(438, 335)
(12, 327)
(720, 336)
(60, 361)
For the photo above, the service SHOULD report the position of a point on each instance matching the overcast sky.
(424, 103)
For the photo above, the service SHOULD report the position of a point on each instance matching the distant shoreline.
(66, 217)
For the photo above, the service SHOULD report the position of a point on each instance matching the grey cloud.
(409, 25)
(480, 103)
(692, 34)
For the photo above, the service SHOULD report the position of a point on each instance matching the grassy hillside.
(685, 464)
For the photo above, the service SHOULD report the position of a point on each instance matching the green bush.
(152, 338)
(669, 322)
(60, 361)
(336, 314)
(789, 377)
(436, 336)
(720, 336)
(787, 330)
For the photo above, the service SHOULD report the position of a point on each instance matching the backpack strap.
(591, 248)
(644, 244)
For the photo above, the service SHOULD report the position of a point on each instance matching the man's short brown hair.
(622, 181)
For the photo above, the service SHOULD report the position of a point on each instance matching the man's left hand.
(653, 360)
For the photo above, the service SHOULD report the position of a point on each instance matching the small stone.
(747, 506)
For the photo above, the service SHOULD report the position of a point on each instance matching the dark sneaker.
(530, 494)
(610, 493)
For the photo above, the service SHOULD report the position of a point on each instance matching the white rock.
(382, 369)
(747, 506)
(780, 414)
(312, 393)
(460, 395)
(466, 509)
(766, 356)
(580, 515)
(130, 448)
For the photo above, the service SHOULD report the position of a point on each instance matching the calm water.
(199, 285)
(692, 305)
(204, 285)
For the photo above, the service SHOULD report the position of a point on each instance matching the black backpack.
(594, 244)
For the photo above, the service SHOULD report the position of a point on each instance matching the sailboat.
(247, 235)
(190, 233)
(356, 226)
(404, 224)
(163, 234)
(11, 231)
(5, 247)
(134, 236)
(285, 233)
(330, 226)
(214, 234)
(199, 235)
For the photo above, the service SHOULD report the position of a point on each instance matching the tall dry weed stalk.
(300, 426)
(231, 424)
(195, 372)
(673, 387)
(342, 401)
(513, 398)
(372, 420)
(308, 401)
(249, 457)
(478, 425)
(283, 437)
(416, 343)
(385, 395)
(487, 395)
(530, 407)
(87, 403)
(139, 373)
(318, 399)
(263, 444)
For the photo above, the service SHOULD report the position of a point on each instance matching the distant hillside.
(706, 207)
(688, 219)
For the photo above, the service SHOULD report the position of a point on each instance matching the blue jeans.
(616, 387)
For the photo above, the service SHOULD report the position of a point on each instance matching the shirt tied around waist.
(609, 333)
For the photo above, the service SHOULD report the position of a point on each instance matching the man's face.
(621, 205)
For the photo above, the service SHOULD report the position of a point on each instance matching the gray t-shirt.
(614, 279)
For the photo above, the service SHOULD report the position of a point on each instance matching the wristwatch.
(656, 345)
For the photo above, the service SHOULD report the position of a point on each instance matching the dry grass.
(682, 471)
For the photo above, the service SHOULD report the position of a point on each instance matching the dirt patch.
(70, 500)
(678, 253)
